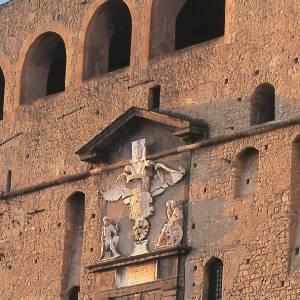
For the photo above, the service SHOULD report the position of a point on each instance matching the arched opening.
(294, 252)
(107, 44)
(74, 227)
(262, 104)
(213, 277)
(199, 21)
(2, 89)
(176, 24)
(74, 293)
(247, 168)
(44, 69)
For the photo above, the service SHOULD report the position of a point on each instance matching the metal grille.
(215, 274)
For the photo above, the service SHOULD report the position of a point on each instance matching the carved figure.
(138, 184)
(109, 239)
(172, 233)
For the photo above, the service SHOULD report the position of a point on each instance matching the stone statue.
(138, 184)
(172, 233)
(109, 239)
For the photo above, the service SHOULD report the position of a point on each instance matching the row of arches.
(107, 42)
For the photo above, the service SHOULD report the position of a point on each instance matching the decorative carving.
(141, 229)
(109, 239)
(172, 233)
(138, 184)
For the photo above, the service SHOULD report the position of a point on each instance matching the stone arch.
(55, 28)
(107, 41)
(262, 104)
(176, 24)
(92, 9)
(44, 68)
(5, 82)
(247, 169)
(162, 27)
(213, 277)
(73, 243)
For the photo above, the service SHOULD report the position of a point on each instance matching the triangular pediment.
(134, 120)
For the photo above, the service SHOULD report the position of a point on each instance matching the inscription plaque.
(136, 274)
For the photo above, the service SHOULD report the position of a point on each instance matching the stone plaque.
(136, 274)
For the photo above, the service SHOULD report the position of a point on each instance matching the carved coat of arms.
(138, 184)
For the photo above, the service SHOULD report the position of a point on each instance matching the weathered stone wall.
(211, 81)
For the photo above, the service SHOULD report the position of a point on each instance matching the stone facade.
(254, 231)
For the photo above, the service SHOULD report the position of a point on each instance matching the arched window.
(74, 226)
(108, 39)
(262, 104)
(74, 293)
(44, 69)
(247, 169)
(176, 24)
(2, 89)
(199, 21)
(213, 279)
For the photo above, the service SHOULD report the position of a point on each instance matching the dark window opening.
(199, 21)
(247, 169)
(177, 24)
(2, 89)
(44, 69)
(108, 39)
(74, 293)
(214, 276)
(8, 181)
(120, 44)
(154, 98)
(57, 71)
(74, 227)
(263, 104)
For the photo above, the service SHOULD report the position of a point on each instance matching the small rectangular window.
(8, 181)
(154, 98)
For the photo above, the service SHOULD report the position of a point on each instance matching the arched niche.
(107, 44)
(294, 224)
(262, 104)
(2, 91)
(177, 24)
(247, 169)
(73, 242)
(44, 68)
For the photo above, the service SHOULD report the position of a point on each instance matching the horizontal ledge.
(130, 260)
(159, 284)
(254, 130)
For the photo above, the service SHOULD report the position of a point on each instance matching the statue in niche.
(172, 233)
(109, 239)
(138, 184)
